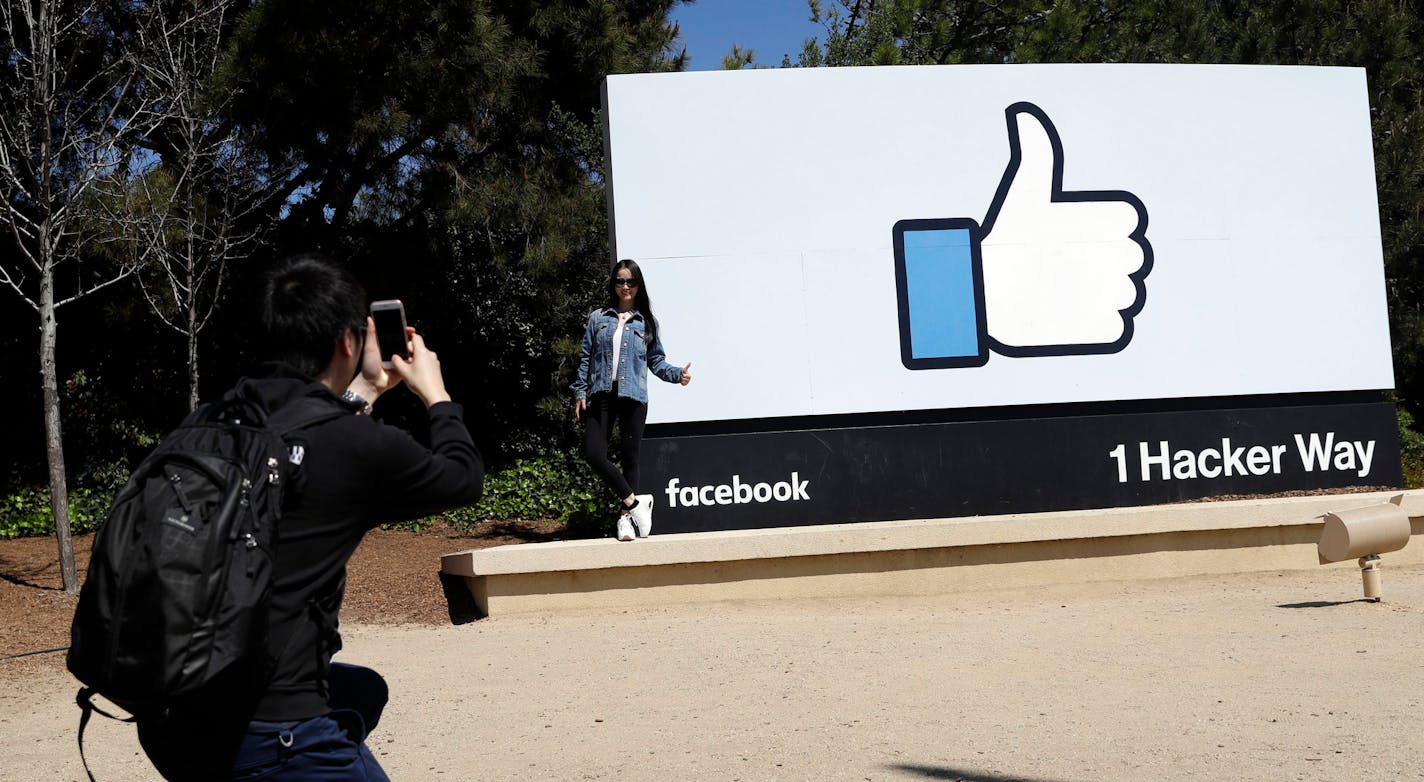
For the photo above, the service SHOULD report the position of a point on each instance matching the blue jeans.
(327, 747)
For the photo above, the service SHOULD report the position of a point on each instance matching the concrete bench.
(926, 556)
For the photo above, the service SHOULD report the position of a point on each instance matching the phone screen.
(390, 330)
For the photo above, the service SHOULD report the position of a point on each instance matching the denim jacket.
(635, 357)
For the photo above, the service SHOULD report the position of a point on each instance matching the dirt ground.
(391, 580)
(1280, 676)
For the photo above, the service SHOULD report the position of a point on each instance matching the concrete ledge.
(914, 557)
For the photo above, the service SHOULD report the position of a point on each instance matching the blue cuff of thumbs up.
(939, 278)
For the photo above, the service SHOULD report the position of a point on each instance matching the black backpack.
(181, 569)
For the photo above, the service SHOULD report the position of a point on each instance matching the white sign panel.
(826, 241)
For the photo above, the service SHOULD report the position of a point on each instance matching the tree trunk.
(54, 440)
(192, 360)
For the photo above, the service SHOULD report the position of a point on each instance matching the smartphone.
(389, 316)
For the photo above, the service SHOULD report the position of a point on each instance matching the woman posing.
(620, 345)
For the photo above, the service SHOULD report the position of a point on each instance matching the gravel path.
(1263, 676)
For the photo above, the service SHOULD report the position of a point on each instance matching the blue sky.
(770, 27)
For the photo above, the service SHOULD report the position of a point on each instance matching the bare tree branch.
(100, 286)
(200, 209)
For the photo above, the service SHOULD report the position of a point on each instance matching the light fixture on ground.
(1365, 533)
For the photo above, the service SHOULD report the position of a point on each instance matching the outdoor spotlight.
(1365, 533)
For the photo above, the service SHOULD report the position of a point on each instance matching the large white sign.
(823, 241)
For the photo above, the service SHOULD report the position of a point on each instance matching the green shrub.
(1411, 450)
(413, 525)
(557, 486)
(554, 486)
(27, 512)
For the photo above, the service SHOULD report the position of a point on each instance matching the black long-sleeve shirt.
(355, 473)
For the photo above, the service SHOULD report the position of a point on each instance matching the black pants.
(598, 417)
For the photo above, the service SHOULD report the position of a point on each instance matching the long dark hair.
(640, 299)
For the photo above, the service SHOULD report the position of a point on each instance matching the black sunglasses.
(619, 282)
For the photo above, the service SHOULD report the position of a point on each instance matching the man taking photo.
(348, 474)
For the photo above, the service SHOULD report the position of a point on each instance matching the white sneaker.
(625, 527)
(643, 515)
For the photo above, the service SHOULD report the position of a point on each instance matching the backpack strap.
(85, 699)
(231, 408)
(292, 418)
(304, 413)
(297, 414)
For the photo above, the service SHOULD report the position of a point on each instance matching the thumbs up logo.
(1049, 273)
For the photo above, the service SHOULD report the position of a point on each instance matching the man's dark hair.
(308, 303)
